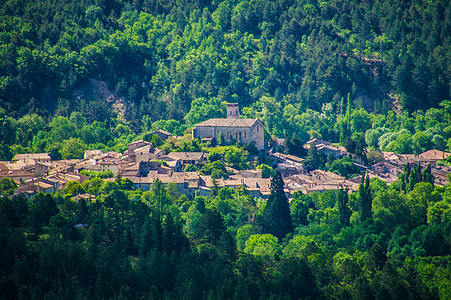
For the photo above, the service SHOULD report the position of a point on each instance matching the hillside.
(161, 56)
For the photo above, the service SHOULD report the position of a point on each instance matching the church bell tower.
(232, 111)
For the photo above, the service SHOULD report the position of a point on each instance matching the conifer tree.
(365, 199)
(211, 226)
(427, 175)
(276, 216)
(405, 177)
(344, 212)
(312, 160)
(415, 177)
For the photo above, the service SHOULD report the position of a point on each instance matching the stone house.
(232, 129)
(37, 157)
(194, 158)
(163, 135)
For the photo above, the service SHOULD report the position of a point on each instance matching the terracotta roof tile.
(227, 123)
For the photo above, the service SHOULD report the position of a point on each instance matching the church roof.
(227, 123)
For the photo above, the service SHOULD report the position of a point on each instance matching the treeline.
(163, 56)
(361, 132)
(384, 241)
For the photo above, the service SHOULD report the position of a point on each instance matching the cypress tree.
(344, 212)
(427, 175)
(365, 199)
(276, 216)
(415, 177)
(405, 176)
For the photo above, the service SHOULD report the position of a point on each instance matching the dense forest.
(331, 70)
(167, 57)
(383, 242)
(99, 74)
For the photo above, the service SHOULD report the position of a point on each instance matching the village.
(143, 163)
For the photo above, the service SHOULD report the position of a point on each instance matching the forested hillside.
(166, 57)
(99, 74)
(384, 242)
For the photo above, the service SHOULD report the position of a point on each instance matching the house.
(34, 186)
(42, 169)
(194, 158)
(147, 153)
(38, 157)
(174, 163)
(164, 135)
(18, 176)
(257, 173)
(434, 155)
(143, 168)
(105, 162)
(318, 142)
(232, 129)
(92, 153)
(328, 150)
(318, 181)
(288, 159)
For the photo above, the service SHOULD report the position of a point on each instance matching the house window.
(228, 135)
(231, 112)
(240, 135)
(236, 135)
(257, 128)
(245, 135)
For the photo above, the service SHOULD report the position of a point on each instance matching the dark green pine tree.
(211, 226)
(295, 146)
(173, 238)
(405, 176)
(145, 243)
(151, 235)
(414, 177)
(312, 161)
(427, 175)
(276, 216)
(365, 199)
(344, 212)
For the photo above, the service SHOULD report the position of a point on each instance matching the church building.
(232, 128)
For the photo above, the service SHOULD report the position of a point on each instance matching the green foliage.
(190, 168)
(344, 166)
(344, 212)
(365, 199)
(313, 160)
(299, 207)
(330, 70)
(263, 245)
(72, 148)
(276, 219)
(267, 171)
(94, 174)
(216, 169)
(235, 158)
(295, 146)
(7, 186)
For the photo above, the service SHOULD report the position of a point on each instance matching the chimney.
(232, 111)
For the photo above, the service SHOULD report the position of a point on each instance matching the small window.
(231, 112)
(236, 135)
(245, 135)
(228, 135)
(257, 128)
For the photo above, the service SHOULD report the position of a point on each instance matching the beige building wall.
(244, 134)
